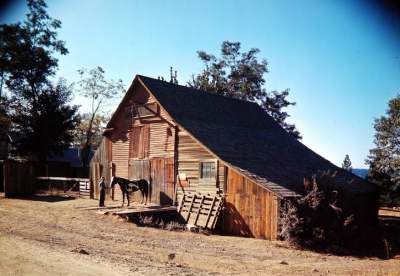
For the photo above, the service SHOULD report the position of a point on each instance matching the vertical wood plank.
(251, 210)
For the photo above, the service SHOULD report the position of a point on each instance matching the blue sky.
(340, 59)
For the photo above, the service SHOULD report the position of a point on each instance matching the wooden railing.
(84, 183)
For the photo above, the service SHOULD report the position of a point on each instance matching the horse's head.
(113, 181)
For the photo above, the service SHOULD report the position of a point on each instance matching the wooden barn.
(185, 140)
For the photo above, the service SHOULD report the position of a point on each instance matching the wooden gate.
(139, 169)
(162, 180)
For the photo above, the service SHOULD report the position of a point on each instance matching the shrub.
(327, 218)
(158, 222)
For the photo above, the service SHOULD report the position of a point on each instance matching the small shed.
(186, 140)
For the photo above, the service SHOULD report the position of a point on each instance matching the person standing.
(102, 188)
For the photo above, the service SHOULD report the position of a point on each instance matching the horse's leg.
(149, 190)
(146, 194)
(127, 196)
(123, 198)
(141, 191)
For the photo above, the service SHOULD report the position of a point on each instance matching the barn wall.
(162, 140)
(132, 151)
(120, 150)
(120, 161)
(251, 211)
(101, 165)
(103, 152)
(190, 154)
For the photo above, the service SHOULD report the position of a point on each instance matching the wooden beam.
(198, 210)
(210, 212)
(62, 178)
(190, 207)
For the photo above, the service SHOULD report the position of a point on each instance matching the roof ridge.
(196, 89)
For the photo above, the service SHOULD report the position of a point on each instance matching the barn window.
(144, 110)
(137, 110)
(207, 170)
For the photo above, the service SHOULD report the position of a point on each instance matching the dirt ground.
(47, 235)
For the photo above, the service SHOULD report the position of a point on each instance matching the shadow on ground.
(46, 198)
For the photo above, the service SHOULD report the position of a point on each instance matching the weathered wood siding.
(162, 140)
(251, 210)
(104, 151)
(190, 154)
(19, 178)
(120, 160)
(120, 150)
(101, 165)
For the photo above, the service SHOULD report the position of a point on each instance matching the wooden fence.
(70, 185)
(18, 178)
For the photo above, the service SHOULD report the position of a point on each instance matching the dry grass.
(45, 237)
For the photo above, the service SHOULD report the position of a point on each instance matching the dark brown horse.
(131, 186)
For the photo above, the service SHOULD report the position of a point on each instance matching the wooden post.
(176, 189)
(182, 201)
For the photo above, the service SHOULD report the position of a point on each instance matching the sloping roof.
(70, 155)
(243, 135)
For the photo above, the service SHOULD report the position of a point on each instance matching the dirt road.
(44, 235)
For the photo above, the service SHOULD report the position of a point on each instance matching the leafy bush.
(328, 218)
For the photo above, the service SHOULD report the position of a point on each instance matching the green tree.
(347, 163)
(94, 86)
(240, 75)
(80, 132)
(45, 128)
(27, 60)
(28, 51)
(384, 159)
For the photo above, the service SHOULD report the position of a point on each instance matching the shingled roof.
(243, 135)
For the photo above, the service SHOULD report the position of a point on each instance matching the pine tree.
(384, 159)
(240, 75)
(173, 75)
(45, 128)
(347, 163)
